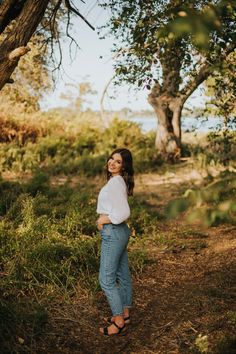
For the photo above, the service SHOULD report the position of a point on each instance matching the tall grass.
(49, 249)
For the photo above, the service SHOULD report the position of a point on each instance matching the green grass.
(50, 248)
(49, 244)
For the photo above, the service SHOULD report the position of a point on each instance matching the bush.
(212, 204)
(84, 152)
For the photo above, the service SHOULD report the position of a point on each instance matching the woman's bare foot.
(126, 317)
(117, 327)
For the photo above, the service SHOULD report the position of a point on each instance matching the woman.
(113, 207)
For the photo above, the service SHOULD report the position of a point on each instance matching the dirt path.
(187, 292)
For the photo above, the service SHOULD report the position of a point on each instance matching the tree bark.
(15, 44)
(168, 99)
(168, 136)
(9, 10)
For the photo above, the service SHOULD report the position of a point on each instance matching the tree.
(78, 96)
(170, 47)
(19, 19)
(32, 80)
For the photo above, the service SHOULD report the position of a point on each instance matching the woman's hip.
(120, 232)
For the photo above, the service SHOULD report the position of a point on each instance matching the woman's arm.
(120, 210)
(103, 219)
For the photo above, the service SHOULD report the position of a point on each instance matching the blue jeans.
(114, 274)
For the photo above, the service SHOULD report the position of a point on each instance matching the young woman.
(113, 207)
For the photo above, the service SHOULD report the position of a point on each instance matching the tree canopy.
(20, 19)
(170, 47)
(148, 32)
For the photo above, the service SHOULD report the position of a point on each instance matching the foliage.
(49, 236)
(153, 31)
(78, 147)
(49, 249)
(222, 145)
(32, 81)
(215, 148)
(77, 96)
(49, 19)
(170, 48)
(49, 244)
(202, 343)
(212, 204)
(222, 87)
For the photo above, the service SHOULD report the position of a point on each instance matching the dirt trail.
(183, 294)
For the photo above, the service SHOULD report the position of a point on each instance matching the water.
(188, 123)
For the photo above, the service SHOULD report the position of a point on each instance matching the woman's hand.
(99, 225)
(103, 219)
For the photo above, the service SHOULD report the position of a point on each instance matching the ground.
(184, 299)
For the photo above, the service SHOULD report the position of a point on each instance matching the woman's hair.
(127, 171)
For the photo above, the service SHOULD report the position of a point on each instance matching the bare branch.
(72, 40)
(72, 9)
(103, 118)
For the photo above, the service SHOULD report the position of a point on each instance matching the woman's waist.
(114, 225)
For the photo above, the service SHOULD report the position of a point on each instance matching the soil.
(184, 299)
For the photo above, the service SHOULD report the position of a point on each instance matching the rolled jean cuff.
(118, 314)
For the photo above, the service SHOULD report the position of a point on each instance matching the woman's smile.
(114, 164)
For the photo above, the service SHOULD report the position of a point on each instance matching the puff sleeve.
(117, 194)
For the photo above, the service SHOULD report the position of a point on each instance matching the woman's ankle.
(126, 312)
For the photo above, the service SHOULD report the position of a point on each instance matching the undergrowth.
(50, 249)
(49, 244)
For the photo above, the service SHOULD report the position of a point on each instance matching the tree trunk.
(14, 45)
(168, 137)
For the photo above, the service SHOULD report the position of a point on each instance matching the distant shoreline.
(189, 123)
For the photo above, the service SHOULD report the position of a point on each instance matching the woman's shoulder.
(116, 180)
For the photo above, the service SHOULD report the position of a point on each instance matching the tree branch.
(17, 53)
(10, 81)
(14, 44)
(204, 72)
(103, 118)
(72, 9)
(196, 80)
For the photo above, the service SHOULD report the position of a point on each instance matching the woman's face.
(114, 164)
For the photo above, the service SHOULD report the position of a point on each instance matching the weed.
(138, 259)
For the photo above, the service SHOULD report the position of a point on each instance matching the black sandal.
(109, 320)
(121, 330)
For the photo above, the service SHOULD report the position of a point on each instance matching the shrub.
(212, 204)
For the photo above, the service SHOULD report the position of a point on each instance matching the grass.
(50, 248)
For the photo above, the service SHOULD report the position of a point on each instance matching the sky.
(93, 63)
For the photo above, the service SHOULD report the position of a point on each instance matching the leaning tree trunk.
(168, 137)
(14, 45)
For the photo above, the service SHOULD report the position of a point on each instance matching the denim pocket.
(106, 230)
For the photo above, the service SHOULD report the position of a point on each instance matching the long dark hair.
(127, 171)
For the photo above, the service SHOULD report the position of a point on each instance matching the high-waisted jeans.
(114, 274)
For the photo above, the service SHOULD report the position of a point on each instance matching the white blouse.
(113, 200)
